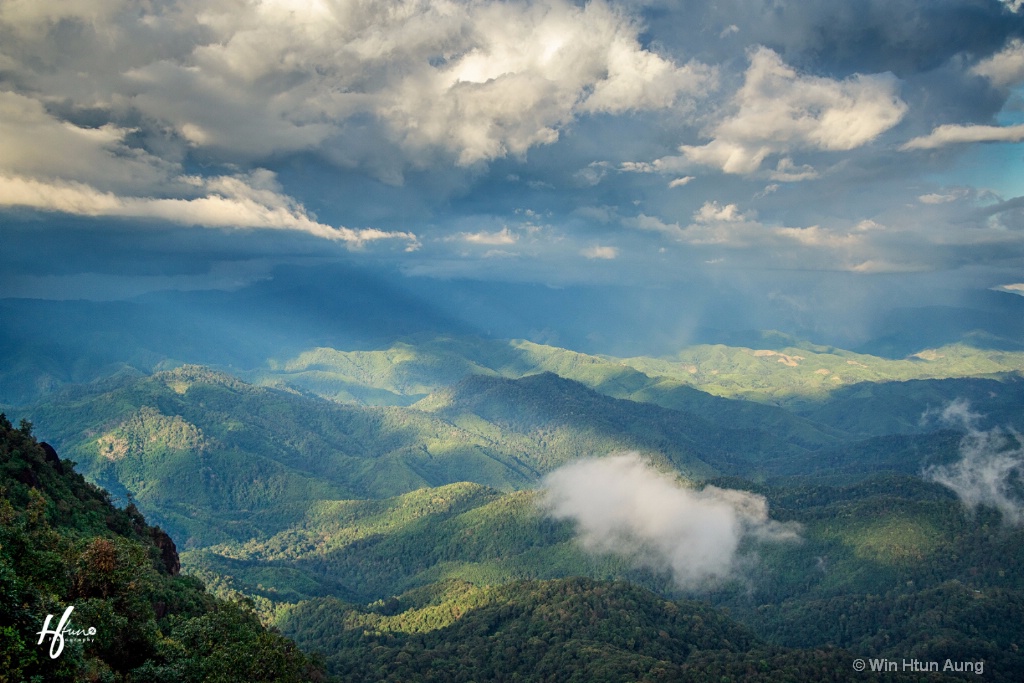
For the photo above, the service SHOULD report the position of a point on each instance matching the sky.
(821, 159)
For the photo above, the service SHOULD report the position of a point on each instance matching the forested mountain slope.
(573, 630)
(888, 565)
(193, 445)
(781, 374)
(340, 518)
(63, 545)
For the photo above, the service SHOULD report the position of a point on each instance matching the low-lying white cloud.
(991, 466)
(622, 505)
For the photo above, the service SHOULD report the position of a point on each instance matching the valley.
(524, 341)
(393, 499)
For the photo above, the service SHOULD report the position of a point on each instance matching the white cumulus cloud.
(48, 164)
(779, 110)
(244, 80)
(711, 212)
(1006, 67)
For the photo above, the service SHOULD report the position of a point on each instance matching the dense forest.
(575, 630)
(389, 511)
(134, 617)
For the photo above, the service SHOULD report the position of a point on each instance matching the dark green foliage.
(852, 461)
(888, 407)
(225, 644)
(890, 567)
(215, 459)
(62, 544)
(354, 527)
(366, 550)
(565, 630)
(562, 420)
(887, 566)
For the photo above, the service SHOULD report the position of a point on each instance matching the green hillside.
(560, 418)
(393, 492)
(889, 566)
(375, 549)
(811, 371)
(64, 546)
(408, 371)
(563, 630)
(820, 384)
(885, 566)
(886, 538)
(216, 459)
(878, 408)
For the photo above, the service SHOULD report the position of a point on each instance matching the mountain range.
(401, 494)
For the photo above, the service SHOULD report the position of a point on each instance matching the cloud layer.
(52, 165)
(475, 80)
(622, 505)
